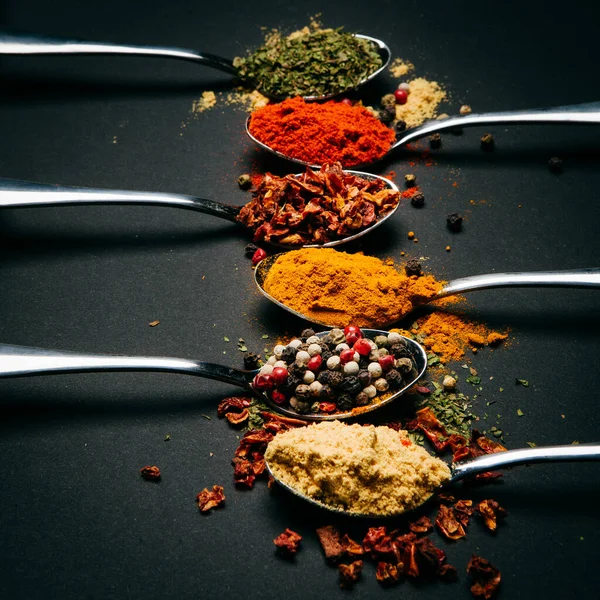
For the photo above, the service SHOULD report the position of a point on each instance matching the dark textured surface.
(76, 519)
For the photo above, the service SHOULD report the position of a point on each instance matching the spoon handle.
(21, 194)
(24, 361)
(26, 44)
(576, 113)
(579, 278)
(526, 456)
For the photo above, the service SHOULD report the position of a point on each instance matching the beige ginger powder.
(371, 470)
(422, 102)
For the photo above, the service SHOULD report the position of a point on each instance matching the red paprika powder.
(319, 133)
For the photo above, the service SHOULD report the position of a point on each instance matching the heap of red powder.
(319, 133)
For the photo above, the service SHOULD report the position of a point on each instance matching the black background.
(76, 520)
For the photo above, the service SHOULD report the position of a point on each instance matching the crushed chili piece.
(351, 548)
(288, 543)
(463, 509)
(238, 418)
(330, 539)
(490, 510)
(387, 574)
(421, 525)
(378, 543)
(150, 472)
(429, 557)
(448, 524)
(448, 573)
(350, 574)
(316, 207)
(486, 577)
(233, 404)
(208, 499)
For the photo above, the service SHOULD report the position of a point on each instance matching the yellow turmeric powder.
(449, 335)
(337, 289)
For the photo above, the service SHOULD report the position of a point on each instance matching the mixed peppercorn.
(336, 371)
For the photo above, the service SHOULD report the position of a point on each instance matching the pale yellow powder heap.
(206, 101)
(422, 103)
(369, 470)
(400, 67)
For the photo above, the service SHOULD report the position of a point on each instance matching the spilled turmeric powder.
(337, 289)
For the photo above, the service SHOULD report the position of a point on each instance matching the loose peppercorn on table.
(80, 519)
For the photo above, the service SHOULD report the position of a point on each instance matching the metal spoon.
(575, 278)
(24, 361)
(24, 44)
(481, 464)
(23, 194)
(577, 113)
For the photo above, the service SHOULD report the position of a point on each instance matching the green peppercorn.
(245, 181)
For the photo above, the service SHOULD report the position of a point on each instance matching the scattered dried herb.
(150, 472)
(523, 382)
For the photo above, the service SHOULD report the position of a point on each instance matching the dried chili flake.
(288, 543)
(351, 548)
(330, 539)
(448, 573)
(150, 472)
(387, 574)
(238, 418)
(421, 525)
(243, 473)
(377, 542)
(233, 404)
(463, 509)
(315, 207)
(490, 510)
(486, 577)
(350, 574)
(448, 524)
(208, 499)
(429, 558)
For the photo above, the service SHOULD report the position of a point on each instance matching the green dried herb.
(523, 382)
(318, 63)
(473, 379)
(451, 409)
(520, 413)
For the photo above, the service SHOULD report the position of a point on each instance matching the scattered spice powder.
(337, 288)
(422, 103)
(399, 67)
(206, 101)
(322, 133)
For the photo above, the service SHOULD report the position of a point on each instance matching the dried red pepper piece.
(208, 499)
(432, 428)
(238, 418)
(233, 404)
(288, 543)
(421, 525)
(490, 510)
(486, 577)
(429, 558)
(150, 472)
(479, 445)
(350, 574)
(448, 573)
(448, 524)
(289, 421)
(387, 574)
(378, 543)
(351, 548)
(463, 509)
(330, 539)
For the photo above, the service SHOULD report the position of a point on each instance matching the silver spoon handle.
(512, 458)
(25, 44)
(21, 194)
(577, 113)
(579, 278)
(24, 361)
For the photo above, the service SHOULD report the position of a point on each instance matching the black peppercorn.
(302, 392)
(306, 334)
(251, 361)
(361, 399)
(394, 379)
(290, 384)
(454, 222)
(326, 354)
(344, 402)
(324, 377)
(404, 365)
(250, 249)
(413, 267)
(297, 370)
(555, 164)
(336, 379)
(400, 126)
(288, 354)
(417, 200)
(410, 180)
(487, 142)
(385, 116)
(326, 393)
(435, 140)
(351, 385)
(364, 377)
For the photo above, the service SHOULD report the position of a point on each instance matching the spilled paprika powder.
(322, 133)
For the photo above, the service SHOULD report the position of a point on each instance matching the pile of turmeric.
(337, 289)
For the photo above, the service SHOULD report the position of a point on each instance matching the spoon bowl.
(24, 194)
(588, 113)
(25, 361)
(573, 278)
(481, 464)
(14, 44)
